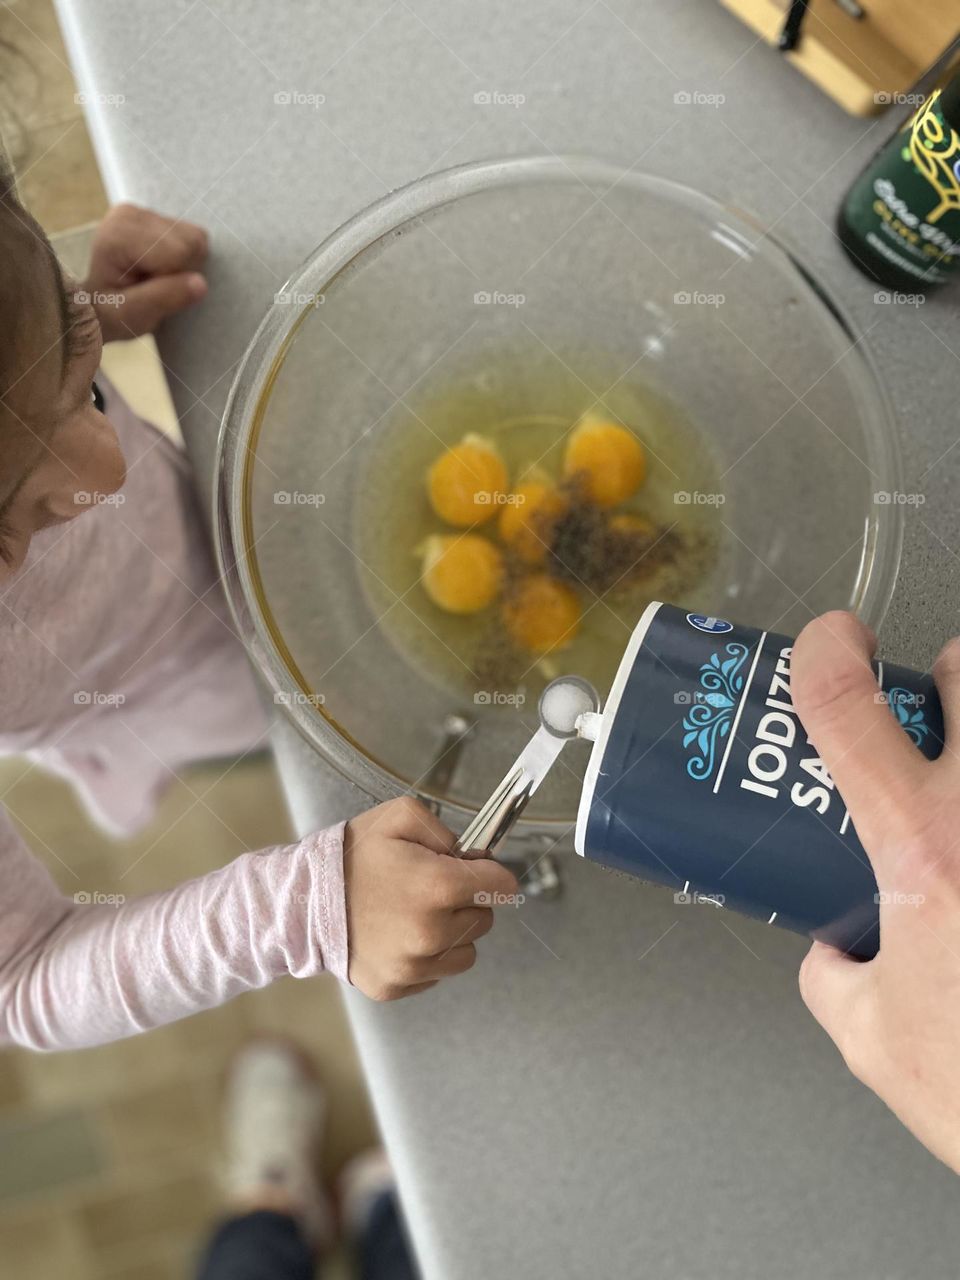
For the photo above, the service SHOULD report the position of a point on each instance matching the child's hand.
(412, 912)
(144, 267)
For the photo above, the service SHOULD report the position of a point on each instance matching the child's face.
(54, 443)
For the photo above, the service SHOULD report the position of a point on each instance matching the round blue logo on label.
(712, 625)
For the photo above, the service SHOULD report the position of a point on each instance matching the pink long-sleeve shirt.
(118, 663)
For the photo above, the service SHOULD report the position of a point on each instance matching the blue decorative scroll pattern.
(708, 721)
(906, 707)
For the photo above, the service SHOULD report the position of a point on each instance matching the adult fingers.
(946, 672)
(839, 993)
(873, 762)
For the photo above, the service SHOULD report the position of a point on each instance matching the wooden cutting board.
(862, 63)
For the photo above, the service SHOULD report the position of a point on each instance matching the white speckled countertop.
(620, 1088)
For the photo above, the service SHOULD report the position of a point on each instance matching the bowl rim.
(263, 357)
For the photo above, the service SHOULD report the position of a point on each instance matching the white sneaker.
(362, 1181)
(274, 1117)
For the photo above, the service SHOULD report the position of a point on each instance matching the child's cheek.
(100, 468)
(112, 464)
(16, 544)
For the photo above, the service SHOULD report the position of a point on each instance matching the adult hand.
(895, 1019)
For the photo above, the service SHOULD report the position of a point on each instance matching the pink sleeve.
(76, 973)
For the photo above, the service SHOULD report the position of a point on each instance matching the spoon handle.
(490, 828)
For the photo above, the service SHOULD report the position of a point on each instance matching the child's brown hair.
(28, 267)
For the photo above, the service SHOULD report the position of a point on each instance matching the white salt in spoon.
(566, 709)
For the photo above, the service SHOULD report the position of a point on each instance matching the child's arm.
(75, 973)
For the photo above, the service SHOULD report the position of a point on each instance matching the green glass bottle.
(900, 221)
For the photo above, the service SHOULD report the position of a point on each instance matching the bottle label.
(906, 204)
(704, 779)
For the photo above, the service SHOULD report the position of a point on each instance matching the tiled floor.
(108, 1157)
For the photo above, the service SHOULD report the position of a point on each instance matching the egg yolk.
(541, 614)
(461, 572)
(464, 483)
(606, 459)
(632, 525)
(527, 521)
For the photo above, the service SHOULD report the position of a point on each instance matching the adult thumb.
(839, 991)
(146, 305)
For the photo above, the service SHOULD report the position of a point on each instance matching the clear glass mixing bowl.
(681, 293)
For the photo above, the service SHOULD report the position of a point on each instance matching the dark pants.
(270, 1246)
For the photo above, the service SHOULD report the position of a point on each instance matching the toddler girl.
(118, 663)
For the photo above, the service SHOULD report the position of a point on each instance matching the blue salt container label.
(702, 779)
